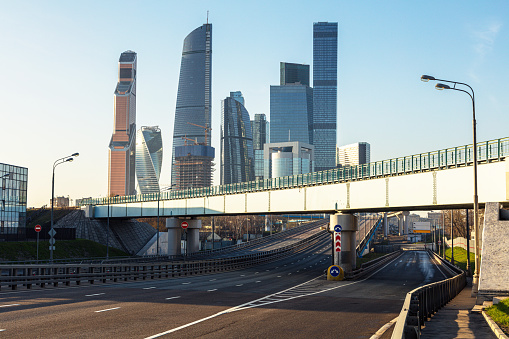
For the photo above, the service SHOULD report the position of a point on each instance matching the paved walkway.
(454, 320)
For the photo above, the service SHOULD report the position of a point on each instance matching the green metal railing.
(488, 151)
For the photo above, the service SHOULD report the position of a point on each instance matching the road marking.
(93, 295)
(215, 289)
(258, 281)
(108, 309)
(212, 279)
(9, 305)
(239, 285)
(2, 329)
(186, 283)
(178, 296)
(242, 275)
(149, 288)
(279, 276)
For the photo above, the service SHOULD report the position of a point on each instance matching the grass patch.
(500, 314)
(368, 257)
(64, 249)
(460, 258)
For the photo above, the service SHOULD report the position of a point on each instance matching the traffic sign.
(335, 272)
(52, 232)
(38, 228)
(338, 228)
(52, 248)
(52, 241)
(184, 224)
(337, 242)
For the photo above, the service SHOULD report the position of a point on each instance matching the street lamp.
(69, 158)
(441, 86)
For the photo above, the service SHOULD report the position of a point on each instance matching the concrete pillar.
(386, 226)
(346, 259)
(174, 226)
(400, 224)
(405, 221)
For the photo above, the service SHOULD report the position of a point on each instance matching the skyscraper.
(149, 158)
(293, 73)
(237, 156)
(353, 154)
(325, 75)
(121, 171)
(194, 91)
(259, 131)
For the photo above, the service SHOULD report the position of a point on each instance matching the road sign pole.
(37, 246)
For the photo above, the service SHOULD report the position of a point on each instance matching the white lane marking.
(279, 276)
(258, 281)
(242, 275)
(2, 329)
(149, 288)
(186, 283)
(215, 289)
(108, 309)
(9, 305)
(239, 285)
(384, 328)
(178, 296)
(93, 295)
(212, 279)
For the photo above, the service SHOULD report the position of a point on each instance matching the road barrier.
(371, 266)
(421, 303)
(13, 276)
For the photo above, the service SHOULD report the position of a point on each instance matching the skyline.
(380, 61)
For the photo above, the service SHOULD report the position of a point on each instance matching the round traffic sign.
(184, 224)
(338, 228)
(335, 272)
(38, 228)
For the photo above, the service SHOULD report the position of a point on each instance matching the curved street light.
(441, 86)
(60, 161)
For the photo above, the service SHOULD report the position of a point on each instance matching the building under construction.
(193, 166)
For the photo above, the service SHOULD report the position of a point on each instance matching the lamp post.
(69, 158)
(441, 86)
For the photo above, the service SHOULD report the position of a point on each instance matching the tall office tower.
(259, 131)
(237, 95)
(194, 91)
(121, 171)
(193, 166)
(353, 154)
(293, 73)
(291, 113)
(237, 156)
(325, 75)
(149, 158)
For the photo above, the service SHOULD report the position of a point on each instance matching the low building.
(353, 154)
(287, 158)
(13, 198)
(60, 202)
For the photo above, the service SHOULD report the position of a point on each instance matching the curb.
(494, 327)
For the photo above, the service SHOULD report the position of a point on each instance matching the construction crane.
(206, 128)
(186, 139)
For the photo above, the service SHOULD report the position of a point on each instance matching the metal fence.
(421, 303)
(488, 151)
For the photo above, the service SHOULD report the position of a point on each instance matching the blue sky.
(60, 70)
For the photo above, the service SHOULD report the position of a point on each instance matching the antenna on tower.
(207, 17)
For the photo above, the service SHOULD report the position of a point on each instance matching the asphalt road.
(287, 298)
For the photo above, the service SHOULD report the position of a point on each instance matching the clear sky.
(59, 71)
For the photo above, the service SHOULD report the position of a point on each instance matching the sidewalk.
(454, 320)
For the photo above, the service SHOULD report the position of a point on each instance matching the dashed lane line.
(176, 297)
(108, 309)
(94, 295)
(10, 305)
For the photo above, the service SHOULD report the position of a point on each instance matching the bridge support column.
(174, 226)
(400, 224)
(386, 226)
(346, 259)
(193, 235)
(405, 221)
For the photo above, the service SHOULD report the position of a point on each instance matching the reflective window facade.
(122, 153)
(353, 154)
(291, 113)
(259, 131)
(293, 73)
(13, 198)
(287, 158)
(194, 91)
(325, 74)
(237, 155)
(149, 158)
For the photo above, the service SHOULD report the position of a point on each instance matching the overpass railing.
(487, 151)
(421, 303)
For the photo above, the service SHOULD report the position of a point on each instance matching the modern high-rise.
(353, 154)
(193, 110)
(287, 158)
(291, 113)
(13, 199)
(259, 131)
(193, 166)
(237, 156)
(121, 171)
(293, 73)
(149, 158)
(325, 76)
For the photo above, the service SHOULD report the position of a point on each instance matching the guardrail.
(371, 266)
(13, 276)
(493, 150)
(424, 301)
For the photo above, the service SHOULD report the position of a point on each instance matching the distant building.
(287, 158)
(193, 166)
(194, 92)
(60, 202)
(13, 198)
(121, 171)
(149, 158)
(293, 73)
(353, 154)
(237, 155)
(325, 91)
(237, 95)
(259, 131)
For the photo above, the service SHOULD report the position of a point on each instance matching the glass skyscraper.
(149, 158)
(237, 156)
(293, 73)
(13, 198)
(121, 171)
(291, 113)
(194, 90)
(259, 131)
(325, 74)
